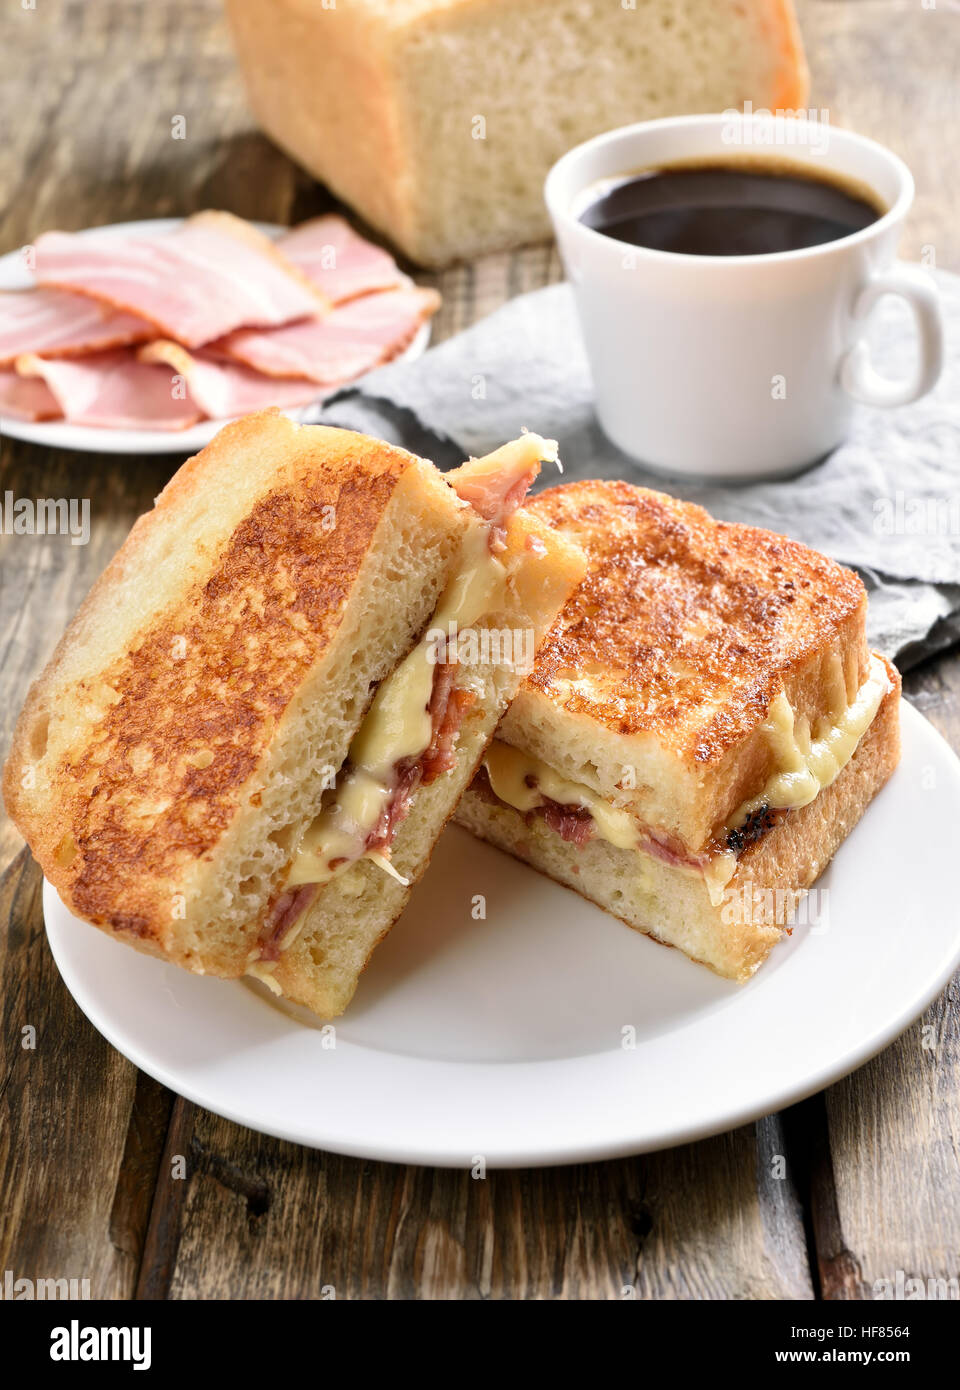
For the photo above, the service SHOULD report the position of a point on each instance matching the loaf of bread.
(438, 119)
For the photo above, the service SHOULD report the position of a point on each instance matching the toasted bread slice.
(167, 759)
(732, 935)
(654, 684)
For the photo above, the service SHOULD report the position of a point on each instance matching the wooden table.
(87, 1144)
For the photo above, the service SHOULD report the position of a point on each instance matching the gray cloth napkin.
(886, 502)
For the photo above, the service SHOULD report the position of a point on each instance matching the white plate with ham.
(146, 337)
(546, 1031)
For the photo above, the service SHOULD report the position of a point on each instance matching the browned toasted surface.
(684, 627)
(137, 762)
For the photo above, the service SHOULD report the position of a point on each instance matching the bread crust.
(792, 83)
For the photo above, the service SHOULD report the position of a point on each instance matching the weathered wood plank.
(264, 1219)
(133, 1200)
(894, 1157)
(65, 1099)
(168, 1199)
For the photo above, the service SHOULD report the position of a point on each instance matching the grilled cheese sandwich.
(703, 704)
(252, 734)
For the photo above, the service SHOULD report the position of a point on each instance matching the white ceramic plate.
(60, 434)
(503, 1038)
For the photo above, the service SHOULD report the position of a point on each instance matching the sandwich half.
(248, 741)
(703, 727)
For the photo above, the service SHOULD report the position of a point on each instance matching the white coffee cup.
(738, 366)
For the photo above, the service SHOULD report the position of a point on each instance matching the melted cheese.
(398, 725)
(263, 972)
(525, 782)
(717, 873)
(804, 766)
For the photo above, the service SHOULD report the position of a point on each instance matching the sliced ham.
(448, 709)
(196, 283)
(342, 264)
(340, 346)
(283, 912)
(26, 398)
(571, 823)
(495, 486)
(112, 390)
(223, 389)
(54, 323)
(381, 837)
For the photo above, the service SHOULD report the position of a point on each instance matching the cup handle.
(857, 373)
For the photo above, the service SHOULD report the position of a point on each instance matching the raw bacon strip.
(196, 283)
(27, 398)
(344, 344)
(340, 262)
(113, 390)
(53, 323)
(222, 389)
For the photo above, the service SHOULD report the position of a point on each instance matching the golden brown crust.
(684, 628)
(792, 79)
(134, 766)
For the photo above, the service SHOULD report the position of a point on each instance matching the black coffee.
(731, 209)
